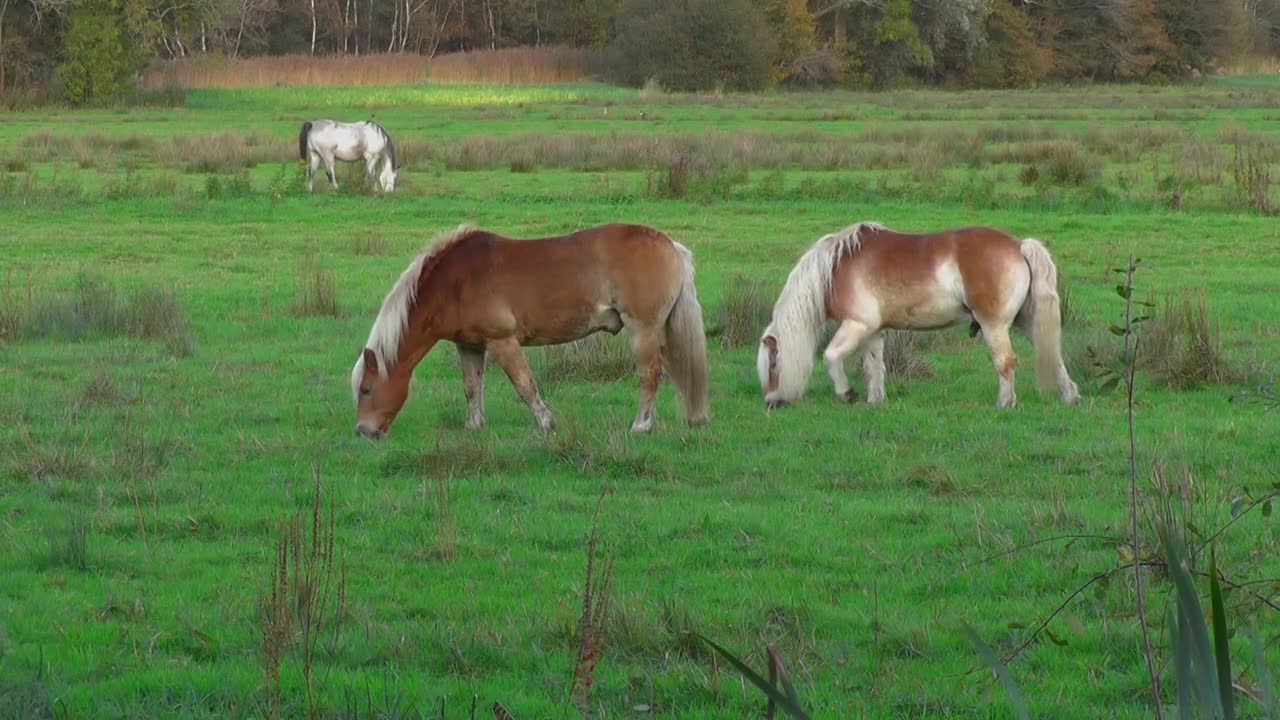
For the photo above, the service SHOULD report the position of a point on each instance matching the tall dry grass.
(524, 65)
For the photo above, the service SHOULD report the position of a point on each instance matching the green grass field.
(144, 480)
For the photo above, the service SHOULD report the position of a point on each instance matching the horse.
(329, 140)
(870, 278)
(492, 295)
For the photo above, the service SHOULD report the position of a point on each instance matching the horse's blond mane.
(801, 311)
(393, 319)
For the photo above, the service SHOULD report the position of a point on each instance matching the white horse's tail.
(302, 140)
(800, 315)
(687, 345)
(1046, 314)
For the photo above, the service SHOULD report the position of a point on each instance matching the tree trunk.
(4, 7)
(840, 33)
(313, 27)
(395, 24)
(204, 43)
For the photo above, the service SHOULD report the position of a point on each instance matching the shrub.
(692, 45)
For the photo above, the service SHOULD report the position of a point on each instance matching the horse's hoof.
(774, 404)
(849, 396)
(473, 426)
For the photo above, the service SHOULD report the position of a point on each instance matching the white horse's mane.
(801, 311)
(393, 318)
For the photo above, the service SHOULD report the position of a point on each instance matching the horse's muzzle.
(370, 432)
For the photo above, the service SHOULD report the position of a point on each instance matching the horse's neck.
(417, 340)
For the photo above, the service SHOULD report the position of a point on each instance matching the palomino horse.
(490, 295)
(869, 278)
(329, 140)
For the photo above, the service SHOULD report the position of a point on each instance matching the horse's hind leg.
(851, 334)
(328, 170)
(511, 358)
(473, 385)
(646, 344)
(313, 164)
(873, 368)
(997, 337)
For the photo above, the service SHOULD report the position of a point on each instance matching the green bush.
(692, 45)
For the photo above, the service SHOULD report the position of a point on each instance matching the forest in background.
(78, 50)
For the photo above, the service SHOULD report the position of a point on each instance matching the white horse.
(329, 140)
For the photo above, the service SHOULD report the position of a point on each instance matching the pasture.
(178, 318)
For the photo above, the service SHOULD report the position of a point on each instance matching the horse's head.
(388, 177)
(379, 394)
(767, 366)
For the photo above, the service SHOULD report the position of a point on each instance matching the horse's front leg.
(473, 385)
(851, 334)
(510, 357)
(370, 162)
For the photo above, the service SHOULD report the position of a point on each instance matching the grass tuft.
(94, 307)
(744, 313)
(597, 358)
(904, 354)
(315, 292)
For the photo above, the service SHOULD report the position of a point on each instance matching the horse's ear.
(370, 362)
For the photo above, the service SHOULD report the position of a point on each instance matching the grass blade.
(785, 702)
(1002, 672)
(1265, 685)
(1221, 646)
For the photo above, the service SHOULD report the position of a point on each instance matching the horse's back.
(927, 280)
(552, 289)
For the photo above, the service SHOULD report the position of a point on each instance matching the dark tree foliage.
(692, 45)
(683, 44)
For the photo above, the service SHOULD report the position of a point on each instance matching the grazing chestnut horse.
(491, 295)
(868, 278)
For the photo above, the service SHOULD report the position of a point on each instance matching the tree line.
(88, 47)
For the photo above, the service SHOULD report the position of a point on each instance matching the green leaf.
(783, 701)
(1140, 319)
(1221, 645)
(1118, 331)
(1002, 672)
(1124, 291)
(1108, 386)
(1192, 631)
(1181, 663)
(1059, 641)
(1266, 508)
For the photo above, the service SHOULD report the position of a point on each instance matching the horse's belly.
(570, 325)
(925, 315)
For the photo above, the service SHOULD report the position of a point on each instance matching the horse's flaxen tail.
(1046, 322)
(799, 316)
(686, 346)
(302, 140)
